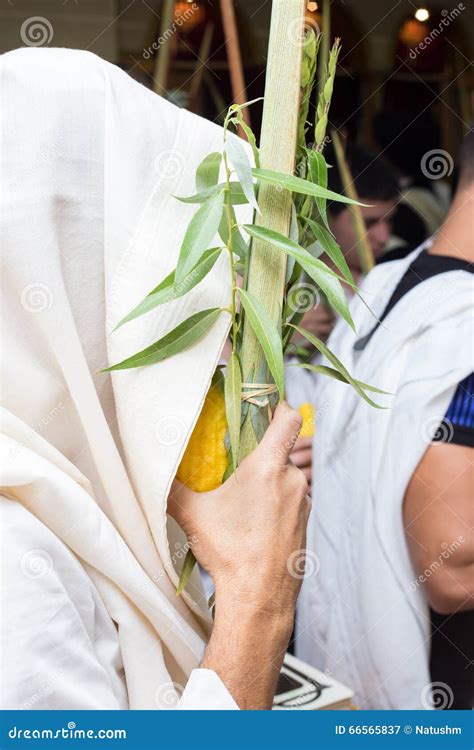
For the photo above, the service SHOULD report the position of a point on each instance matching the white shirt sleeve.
(59, 646)
(206, 691)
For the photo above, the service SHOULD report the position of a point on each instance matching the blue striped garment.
(461, 408)
(457, 425)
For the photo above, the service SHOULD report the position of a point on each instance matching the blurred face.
(378, 219)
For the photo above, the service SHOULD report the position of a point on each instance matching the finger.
(282, 434)
(303, 443)
(302, 458)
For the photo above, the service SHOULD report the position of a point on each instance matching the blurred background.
(404, 79)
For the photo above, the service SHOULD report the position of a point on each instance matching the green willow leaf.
(326, 279)
(241, 163)
(186, 570)
(318, 174)
(326, 352)
(199, 235)
(207, 173)
(168, 291)
(268, 336)
(237, 196)
(233, 396)
(238, 107)
(239, 120)
(177, 340)
(332, 373)
(294, 235)
(298, 185)
(331, 248)
(239, 246)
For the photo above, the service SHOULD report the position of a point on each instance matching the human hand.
(247, 529)
(302, 457)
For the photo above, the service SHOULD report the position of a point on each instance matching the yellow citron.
(205, 460)
(307, 412)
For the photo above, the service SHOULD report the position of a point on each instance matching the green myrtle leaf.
(318, 174)
(298, 185)
(177, 340)
(207, 173)
(331, 248)
(233, 400)
(268, 336)
(241, 163)
(326, 352)
(326, 279)
(199, 235)
(237, 196)
(168, 291)
(186, 570)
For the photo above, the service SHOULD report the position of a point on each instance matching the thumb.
(282, 434)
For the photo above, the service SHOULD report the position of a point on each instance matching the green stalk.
(228, 208)
(267, 266)
(325, 41)
(364, 250)
(325, 96)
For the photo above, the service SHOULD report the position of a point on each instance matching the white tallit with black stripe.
(361, 615)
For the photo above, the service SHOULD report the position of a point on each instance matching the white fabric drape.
(361, 615)
(90, 164)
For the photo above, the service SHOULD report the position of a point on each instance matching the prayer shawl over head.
(362, 614)
(91, 164)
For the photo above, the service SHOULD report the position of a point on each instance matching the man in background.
(377, 187)
(392, 516)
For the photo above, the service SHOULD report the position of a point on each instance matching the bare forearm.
(246, 650)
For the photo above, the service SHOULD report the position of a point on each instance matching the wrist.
(253, 607)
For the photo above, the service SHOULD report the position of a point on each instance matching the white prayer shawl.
(91, 162)
(362, 614)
